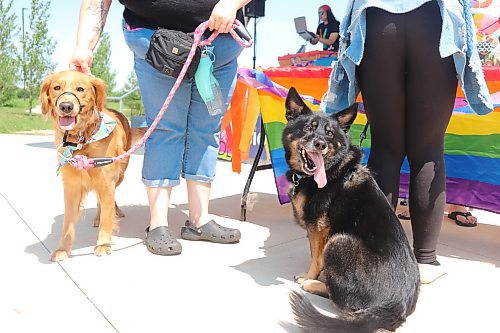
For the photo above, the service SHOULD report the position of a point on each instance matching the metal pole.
(24, 55)
(262, 142)
(254, 41)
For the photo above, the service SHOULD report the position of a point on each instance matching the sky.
(276, 34)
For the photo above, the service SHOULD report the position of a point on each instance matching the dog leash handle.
(81, 162)
(242, 32)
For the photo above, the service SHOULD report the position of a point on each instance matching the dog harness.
(106, 126)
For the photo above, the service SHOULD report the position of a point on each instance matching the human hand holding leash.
(81, 60)
(93, 14)
(223, 15)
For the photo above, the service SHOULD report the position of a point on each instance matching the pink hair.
(325, 8)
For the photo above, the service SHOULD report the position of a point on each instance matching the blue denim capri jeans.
(186, 141)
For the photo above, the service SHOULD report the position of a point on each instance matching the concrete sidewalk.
(208, 288)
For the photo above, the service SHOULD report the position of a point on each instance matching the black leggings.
(409, 92)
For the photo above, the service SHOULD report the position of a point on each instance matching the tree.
(38, 48)
(9, 59)
(133, 101)
(101, 64)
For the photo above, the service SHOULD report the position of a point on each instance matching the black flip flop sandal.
(211, 232)
(160, 241)
(404, 217)
(453, 216)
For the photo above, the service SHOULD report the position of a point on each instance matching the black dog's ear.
(294, 105)
(346, 117)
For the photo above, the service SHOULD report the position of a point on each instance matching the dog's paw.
(96, 222)
(59, 255)
(100, 250)
(118, 212)
(315, 287)
(300, 278)
(306, 284)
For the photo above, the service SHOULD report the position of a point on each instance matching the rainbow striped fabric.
(472, 143)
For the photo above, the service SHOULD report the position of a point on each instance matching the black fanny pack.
(168, 51)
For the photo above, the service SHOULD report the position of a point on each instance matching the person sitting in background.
(327, 32)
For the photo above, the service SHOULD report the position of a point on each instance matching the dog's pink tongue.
(319, 173)
(67, 123)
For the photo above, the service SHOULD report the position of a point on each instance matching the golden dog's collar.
(79, 144)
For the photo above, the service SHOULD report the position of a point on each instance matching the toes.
(59, 255)
(300, 278)
(306, 284)
(101, 250)
(471, 219)
(467, 219)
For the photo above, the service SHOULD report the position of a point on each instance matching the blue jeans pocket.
(137, 39)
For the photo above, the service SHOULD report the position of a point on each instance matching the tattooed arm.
(93, 15)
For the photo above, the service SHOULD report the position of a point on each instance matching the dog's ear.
(44, 94)
(346, 117)
(294, 105)
(100, 92)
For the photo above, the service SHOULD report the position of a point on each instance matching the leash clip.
(362, 136)
(295, 179)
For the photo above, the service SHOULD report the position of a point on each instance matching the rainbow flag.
(472, 142)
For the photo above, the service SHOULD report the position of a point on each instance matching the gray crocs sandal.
(160, 241)
(211, 232)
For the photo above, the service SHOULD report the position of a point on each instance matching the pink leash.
(81, 162)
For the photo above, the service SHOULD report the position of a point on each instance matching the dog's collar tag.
(295, 179)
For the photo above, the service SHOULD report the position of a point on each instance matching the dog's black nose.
(66, 107)
(320, 144)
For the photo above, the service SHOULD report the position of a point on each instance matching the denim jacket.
(457, 39)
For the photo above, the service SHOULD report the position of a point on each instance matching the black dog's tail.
(311, 320)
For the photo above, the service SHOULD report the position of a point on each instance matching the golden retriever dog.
(76, 104)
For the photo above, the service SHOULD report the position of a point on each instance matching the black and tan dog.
(356, 239)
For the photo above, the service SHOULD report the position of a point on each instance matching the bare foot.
(461, 216)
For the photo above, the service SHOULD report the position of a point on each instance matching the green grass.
(15, 119)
